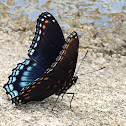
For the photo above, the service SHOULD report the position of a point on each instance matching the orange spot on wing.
(27, 97)
(61, 59)
(55, 85)
(38, 82)
(70, 63)
(46, 21)
(46, 78)
(64, 84)
(70, 71)
(70, 40)
(67, 46)
(58, 81)
(48, 87)
(70, 79)
(28, 90)
(43, 33)
(64, 52)
(33, 86)
(43, 26)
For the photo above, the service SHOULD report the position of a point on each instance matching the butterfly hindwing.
(58, 78)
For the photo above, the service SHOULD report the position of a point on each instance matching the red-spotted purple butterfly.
(50, 69)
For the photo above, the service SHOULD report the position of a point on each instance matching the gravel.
(100, 96)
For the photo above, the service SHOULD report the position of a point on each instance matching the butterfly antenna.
(93, 71)
(81, 62)
(63, 95)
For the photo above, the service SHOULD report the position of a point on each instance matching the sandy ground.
(100, 97)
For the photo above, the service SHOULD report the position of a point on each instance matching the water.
(71, 13)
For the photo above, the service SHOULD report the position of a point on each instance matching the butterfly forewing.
(48, 40)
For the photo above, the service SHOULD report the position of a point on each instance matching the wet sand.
(99, 96)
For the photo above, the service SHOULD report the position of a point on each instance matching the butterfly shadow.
(47, 105)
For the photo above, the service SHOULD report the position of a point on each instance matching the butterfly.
(50, 69)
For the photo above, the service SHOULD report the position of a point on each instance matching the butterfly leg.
(63, 95)
(55, 102)
(71, 98)
(74, 79)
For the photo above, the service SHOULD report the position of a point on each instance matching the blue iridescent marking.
(35, 64)
(24, 78)
(11, 87)
(12, 94)
(17, 72)
(23, 62)
(26, 73)
(23, 84)
(22, 66)
(9, 81)
(18, 66)
(11, 78)
(7, 88)
(29, 68)
(27, 62)
(15, 92)
(14, 72)
(14, 79)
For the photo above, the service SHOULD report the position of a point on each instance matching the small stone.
(10, 3)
